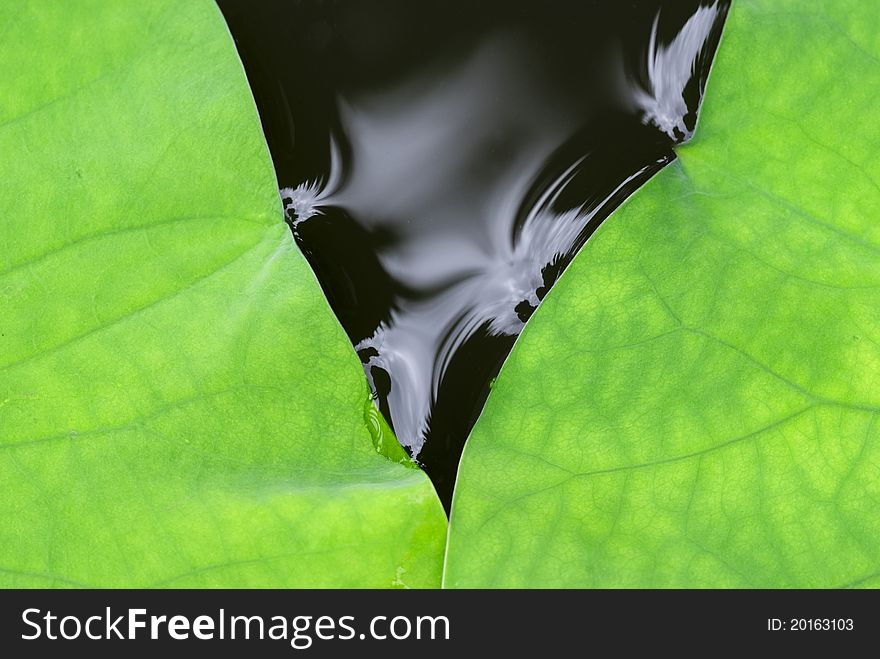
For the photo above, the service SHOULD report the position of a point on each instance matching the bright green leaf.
(696, 402)
(178, 405)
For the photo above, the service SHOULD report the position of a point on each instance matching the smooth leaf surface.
(695, 403)
(178, 405)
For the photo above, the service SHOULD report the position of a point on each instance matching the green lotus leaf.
(178, 405)
(696, 402)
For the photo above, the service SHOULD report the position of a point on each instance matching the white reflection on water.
(670, 67)
(445, 159)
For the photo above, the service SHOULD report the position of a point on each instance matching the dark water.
(443, 161)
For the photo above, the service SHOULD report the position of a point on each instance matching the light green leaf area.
(696, 402)
(178, 405)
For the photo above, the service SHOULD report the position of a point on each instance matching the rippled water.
(442, 162)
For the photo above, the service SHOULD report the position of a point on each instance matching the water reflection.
(439, 196)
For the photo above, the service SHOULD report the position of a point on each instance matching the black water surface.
(442, 161)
